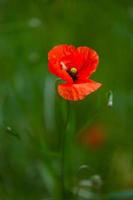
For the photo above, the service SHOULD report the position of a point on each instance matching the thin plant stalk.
(63, 151)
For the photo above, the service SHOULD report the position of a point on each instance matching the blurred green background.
(32, 115)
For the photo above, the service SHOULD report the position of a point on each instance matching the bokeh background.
(99, 133)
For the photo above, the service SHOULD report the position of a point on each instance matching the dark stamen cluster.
(73, 75)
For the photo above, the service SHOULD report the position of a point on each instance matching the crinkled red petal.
(66, 54)
(60, 73)
(90, 61)
(75, 92)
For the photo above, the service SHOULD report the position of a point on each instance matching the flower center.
(73, 70)
(73, 73)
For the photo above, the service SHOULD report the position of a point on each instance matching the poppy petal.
(75, 92)
(90, 61)
(61, 54)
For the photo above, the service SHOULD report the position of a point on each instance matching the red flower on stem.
(74, 66)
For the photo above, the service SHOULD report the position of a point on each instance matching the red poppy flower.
(74, 66)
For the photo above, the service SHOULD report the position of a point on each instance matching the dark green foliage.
(33, 116)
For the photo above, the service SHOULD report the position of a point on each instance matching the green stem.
(63, 149)
(62, 167)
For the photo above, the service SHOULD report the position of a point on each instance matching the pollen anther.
(73, 70)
